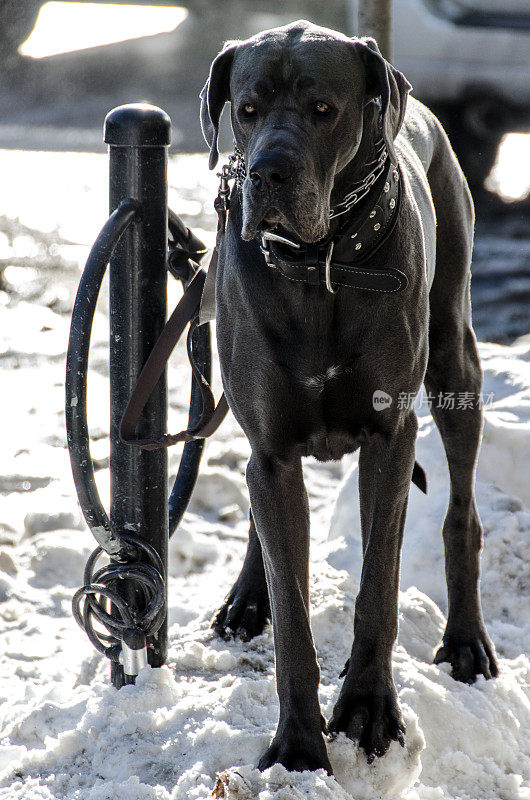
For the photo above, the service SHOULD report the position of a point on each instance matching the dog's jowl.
(342, 285)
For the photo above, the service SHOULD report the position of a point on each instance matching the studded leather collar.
(340, 259)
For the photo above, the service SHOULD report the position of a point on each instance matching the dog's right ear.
(214, 95)
(385, 81)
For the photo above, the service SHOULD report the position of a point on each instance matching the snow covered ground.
(196, 728)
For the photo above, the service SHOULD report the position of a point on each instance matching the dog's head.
(298, 95)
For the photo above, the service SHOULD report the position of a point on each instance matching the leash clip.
(224, 189)
(235, 169)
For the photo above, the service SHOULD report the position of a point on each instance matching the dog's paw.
(469, 656)
(245, 612)
(296, 753)
(373, 719)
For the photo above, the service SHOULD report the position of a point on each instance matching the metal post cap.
(137, 125)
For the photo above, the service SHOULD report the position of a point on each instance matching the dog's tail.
(419, 477)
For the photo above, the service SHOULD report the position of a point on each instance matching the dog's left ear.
(214, 95)
(385, 80)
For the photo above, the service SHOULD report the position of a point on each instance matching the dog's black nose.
(271, 169)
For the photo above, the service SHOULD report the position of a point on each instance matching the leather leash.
(185, 311)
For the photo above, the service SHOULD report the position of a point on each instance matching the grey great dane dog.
(336, 160)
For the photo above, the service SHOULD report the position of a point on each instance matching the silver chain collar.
(361, 188)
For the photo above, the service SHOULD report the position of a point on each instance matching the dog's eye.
(249, 110)
(322, 108)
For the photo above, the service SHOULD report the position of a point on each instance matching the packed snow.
(196, 728)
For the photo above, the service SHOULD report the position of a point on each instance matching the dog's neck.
(360, 166)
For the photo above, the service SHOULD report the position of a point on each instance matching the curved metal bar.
(76, 377)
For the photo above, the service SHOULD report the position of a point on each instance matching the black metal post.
(375, 19)
(138, 137)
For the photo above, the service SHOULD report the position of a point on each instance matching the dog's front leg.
(367, 708)
(281, 514)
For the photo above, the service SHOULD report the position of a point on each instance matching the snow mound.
(196, 728)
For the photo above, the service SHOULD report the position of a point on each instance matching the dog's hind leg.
(454, 378)
(246, 609)
(454, 372)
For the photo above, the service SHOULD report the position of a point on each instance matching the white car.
(450, 49)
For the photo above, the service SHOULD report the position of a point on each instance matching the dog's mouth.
(258, 217)
(271, 219)
(276, 222)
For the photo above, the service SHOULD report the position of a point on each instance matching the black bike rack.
(141, 241)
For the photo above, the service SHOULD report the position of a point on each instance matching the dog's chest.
(300, 366)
